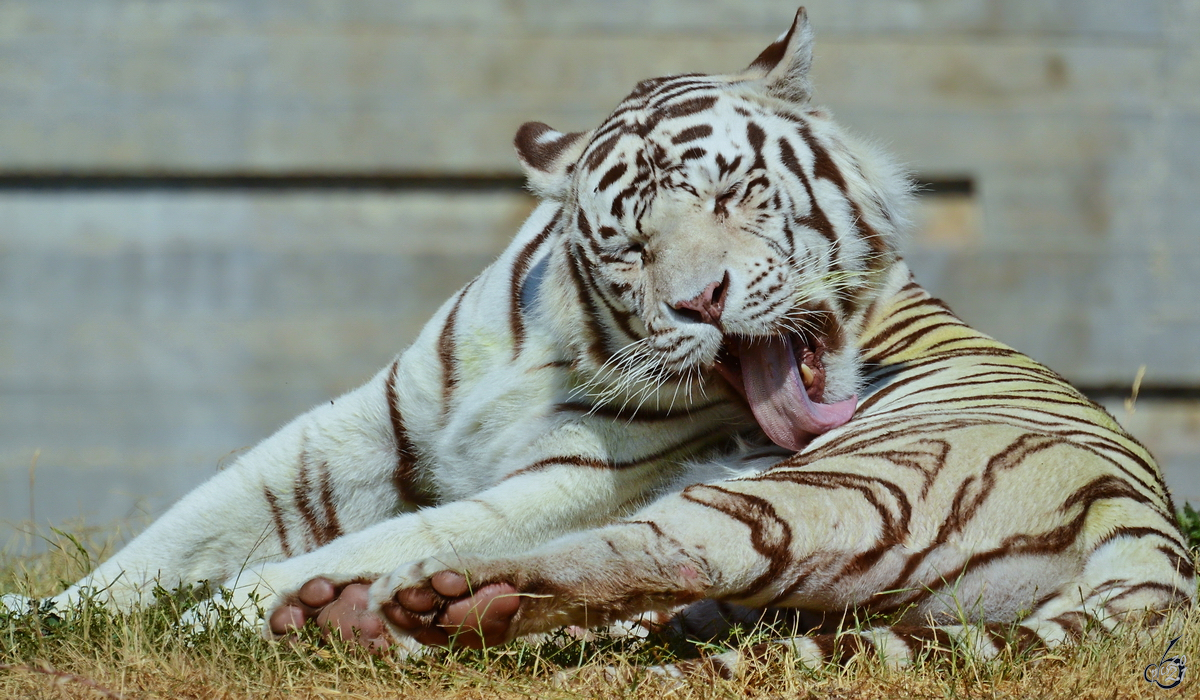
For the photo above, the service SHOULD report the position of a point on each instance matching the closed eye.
(721, 203)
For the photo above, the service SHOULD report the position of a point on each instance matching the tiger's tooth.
(806, 374)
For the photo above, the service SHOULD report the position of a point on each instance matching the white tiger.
(699, 373)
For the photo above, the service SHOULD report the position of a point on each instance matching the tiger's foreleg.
(330, 471)
(517, 514)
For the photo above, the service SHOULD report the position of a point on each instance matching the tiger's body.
(605, 416)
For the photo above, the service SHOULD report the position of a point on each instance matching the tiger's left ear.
(782, 68)
(548, 157)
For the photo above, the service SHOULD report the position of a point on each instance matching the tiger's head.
(723, 226)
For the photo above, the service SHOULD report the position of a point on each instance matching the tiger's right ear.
(548, 157)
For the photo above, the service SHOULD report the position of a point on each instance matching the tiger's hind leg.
(843, 538)
(1133, 578)
(1063, 619)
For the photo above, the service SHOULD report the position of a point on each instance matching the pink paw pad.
(446, 610)
(337, 612)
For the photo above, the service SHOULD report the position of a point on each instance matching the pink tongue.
(777, 396)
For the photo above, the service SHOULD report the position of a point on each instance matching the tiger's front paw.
(440, 606)
(339, 611)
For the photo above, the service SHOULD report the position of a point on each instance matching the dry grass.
(143, 655)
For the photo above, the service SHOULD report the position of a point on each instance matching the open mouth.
(783, 380)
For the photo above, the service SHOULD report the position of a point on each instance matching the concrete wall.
(147, 332)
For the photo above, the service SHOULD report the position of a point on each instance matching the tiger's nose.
(705, 307)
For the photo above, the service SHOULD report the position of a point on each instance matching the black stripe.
(621, 318)
(277, 518)
(688, 446)
(598, 342)
(333, 528)
(816, 218)
(875, 354)
(404, 474)
(516, 319)
(600, 151)
(659, 105)
(770, 535)
(757, 138)
(692, 133)
(642, 415)
(300, 495)
(684, 108)
(446, 350)
(614, 173)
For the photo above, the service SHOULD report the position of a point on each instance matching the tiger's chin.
(783, 380)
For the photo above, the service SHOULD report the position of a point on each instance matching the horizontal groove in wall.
(137, 181)
(1153, 392)
(944, 186)
(257, 181)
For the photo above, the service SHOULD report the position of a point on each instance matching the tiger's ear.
(548, 157)
(782, 68)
